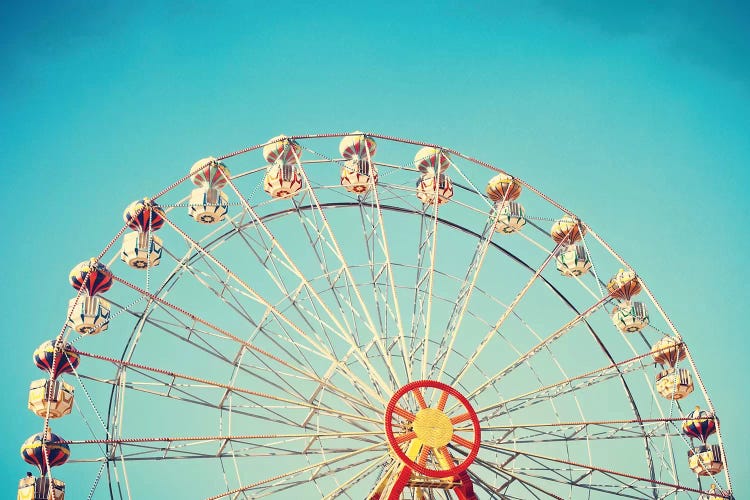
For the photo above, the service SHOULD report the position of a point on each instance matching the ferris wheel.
(363, 316)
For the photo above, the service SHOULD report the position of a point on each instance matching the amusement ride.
(368, 317)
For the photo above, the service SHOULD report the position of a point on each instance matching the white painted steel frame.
(322, 325)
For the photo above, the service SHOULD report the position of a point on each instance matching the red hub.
(419, 432)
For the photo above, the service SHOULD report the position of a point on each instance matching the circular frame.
(319, 197)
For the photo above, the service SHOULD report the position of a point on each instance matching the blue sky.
(636, 117)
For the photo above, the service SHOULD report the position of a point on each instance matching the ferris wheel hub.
(433, 427)
(425, 412)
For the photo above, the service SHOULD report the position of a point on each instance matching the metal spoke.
(260, 299)
(590, 430)
(293, 403)
(293, 473)
(614, 370)
(364, 309)
(508, 311)
(529, 486)
(608, 472)
(464, 296)
(247, 345)
(378, 223)
(374, 464)
(258, 223)
(537, 348)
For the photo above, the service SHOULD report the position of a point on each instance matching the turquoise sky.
(635, 117)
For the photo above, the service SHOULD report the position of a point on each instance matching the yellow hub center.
(433, 427)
